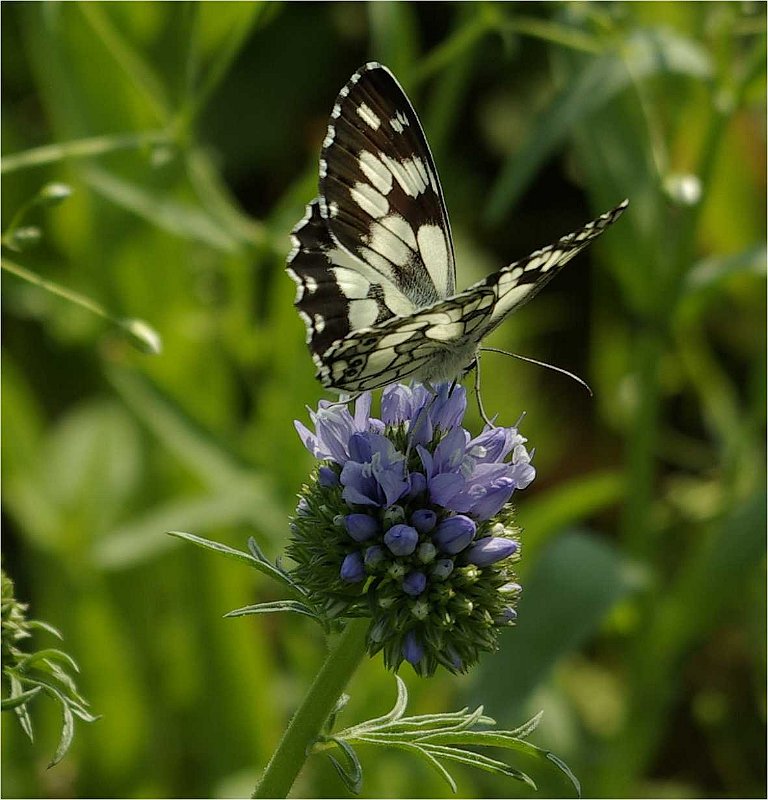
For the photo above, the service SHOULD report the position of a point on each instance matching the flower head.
(407, 520)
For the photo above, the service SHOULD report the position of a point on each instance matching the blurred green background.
(189, 133)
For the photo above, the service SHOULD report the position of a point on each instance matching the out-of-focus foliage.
(189, 134)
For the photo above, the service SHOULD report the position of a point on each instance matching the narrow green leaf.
(37, 624)
(237, 555)
(398, 709)
(505, 740)
(429, 759)
(22, 713)
(352, 780)
(16, 700)
(479, 761)
(268, 608)
(217, 547)
(81, 148)
(440, 721)
(527, 728)
(67, 733)
(565, 769)
(43, 655)
(139, 333)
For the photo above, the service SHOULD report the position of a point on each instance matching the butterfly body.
(373, 256)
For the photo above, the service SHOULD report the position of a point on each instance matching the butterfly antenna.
(477, 393)
(541, 364)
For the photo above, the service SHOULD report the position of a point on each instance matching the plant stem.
(303, 730)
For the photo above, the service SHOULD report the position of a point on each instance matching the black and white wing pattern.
(440, 341)
(373, 256)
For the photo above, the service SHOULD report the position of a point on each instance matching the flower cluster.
(407, 520)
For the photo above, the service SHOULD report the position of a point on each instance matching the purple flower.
(361, 526)
(448, 408)
(490, 550)
(454, 534)
(485, 492)
(334, 426)
(411, 506)
(424, 520)
(413, 650)
(414, 583)
(401, 539)
(374, 475)
(352, 569)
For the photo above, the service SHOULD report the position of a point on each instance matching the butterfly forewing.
(379, 189)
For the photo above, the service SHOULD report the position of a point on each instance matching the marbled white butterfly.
(373, 257)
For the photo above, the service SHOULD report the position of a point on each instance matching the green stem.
(81, 148)
(139, 333)
(304, 728)
(60, 291)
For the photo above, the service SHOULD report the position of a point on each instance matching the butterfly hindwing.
(379, 190)
(439, 341)
(335, 292)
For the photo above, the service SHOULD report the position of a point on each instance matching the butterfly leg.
(476, 365)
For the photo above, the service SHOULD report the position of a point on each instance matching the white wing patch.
(434, 254)
(376, 171)
(368, 116)
(370, 200)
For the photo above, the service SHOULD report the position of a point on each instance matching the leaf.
(479, 761)
(42, 655)
(277, 605)
(67, 733)
(429, 759)
(22, 713)
(506, 740)
(16, 700)
(237, 555)
(352, 780)
(527, 728)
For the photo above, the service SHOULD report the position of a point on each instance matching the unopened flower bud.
(454, 534)
(401, 539)
(424, 520)
(414, 583)
(361, 526)
(490, 550)
(352, 569)
(413, 650)
(327, 478)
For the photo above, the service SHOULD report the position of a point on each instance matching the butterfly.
(373, 257)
